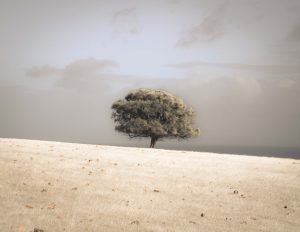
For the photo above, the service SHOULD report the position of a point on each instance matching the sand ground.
(75, 187)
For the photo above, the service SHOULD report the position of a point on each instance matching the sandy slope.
(74, 187)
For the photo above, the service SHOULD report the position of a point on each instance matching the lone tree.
(153, 113)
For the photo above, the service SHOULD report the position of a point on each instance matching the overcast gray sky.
(237, 62)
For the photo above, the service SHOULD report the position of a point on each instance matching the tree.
(153, 113)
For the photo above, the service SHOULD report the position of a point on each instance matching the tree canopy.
(155, 114)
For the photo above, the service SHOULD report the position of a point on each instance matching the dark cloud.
(231, 111)
(243, 111)
(294, 35)
(55, 114)
(66, 114)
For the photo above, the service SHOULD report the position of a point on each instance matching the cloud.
(43, 71)
(258, 24)
(66, 114)
(243, 111)
(237, 66)
(124, 13)
(55, 114)
(85, 73)
(211, 28)
(289, 48)
(126, 22)
(294, 35)
(81, 74)
(231, 111)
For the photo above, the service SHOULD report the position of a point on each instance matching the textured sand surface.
(75, 187)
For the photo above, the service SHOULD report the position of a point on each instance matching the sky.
(236, 62)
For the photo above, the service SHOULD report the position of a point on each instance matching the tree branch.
(135, 136)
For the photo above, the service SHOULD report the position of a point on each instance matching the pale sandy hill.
(74, 187)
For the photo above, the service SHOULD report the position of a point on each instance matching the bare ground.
(75, 187)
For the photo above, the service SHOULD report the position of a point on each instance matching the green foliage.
(155, 114)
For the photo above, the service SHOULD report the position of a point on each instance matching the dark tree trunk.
(153, 142)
